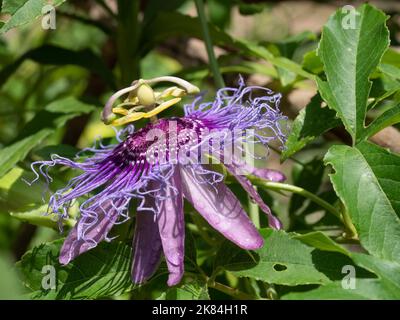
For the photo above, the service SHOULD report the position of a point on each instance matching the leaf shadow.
(331, 264)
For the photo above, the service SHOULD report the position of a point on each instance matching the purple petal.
(172, 229)
(269, 174)
(146, 245)
(95, 230)
(246, 184)
(223, 211)
(242, 168)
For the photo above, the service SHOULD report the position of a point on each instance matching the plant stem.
(218, 79)
(254, 212)
(351, 232)
(277, 186)
(230, 291)
(128, 40)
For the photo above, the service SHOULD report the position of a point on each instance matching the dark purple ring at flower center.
(159, 143)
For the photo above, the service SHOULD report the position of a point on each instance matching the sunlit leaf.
(24, 11)
(282, 260)
(367, 180)
(365, 289)
(349, 56)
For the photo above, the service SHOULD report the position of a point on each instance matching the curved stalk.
(277, 186)
(235, 293)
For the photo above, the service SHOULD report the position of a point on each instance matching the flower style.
(163, 163)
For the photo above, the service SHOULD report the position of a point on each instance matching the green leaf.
(169, 24)
(386, 119)
(349, 57)
(53, 55)
(387, 286)
(100, 272)
(69, 105)
(244, 67)
(10, 286)
(39, 217)
(365, 289)
(16, 195)
(282, 260)
(391, 57)
(319, 240)
(66, 108)
(308, 177)
(24, 11)
(387, 271)
(367, 180)
(287, 48)
(311, 122)
(10, 6)
(312, 63)
(63, 150)
(10, 155)
(390, 70)
(219, 12)
(190, 252)
(250, 8)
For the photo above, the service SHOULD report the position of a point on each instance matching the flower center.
(160, 142)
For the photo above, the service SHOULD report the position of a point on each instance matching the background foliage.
(341, 88)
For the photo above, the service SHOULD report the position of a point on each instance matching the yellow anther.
(129, 118)
(171, 92)
(145, 95)
(119, 110)
(162, 107)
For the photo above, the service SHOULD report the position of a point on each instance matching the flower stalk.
(235, 293)
(277, 186)
(254, 212)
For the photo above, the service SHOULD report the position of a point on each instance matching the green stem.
(219, 81)
(254, 212)
(277, 186)
(235, 293)
(351, 232)
(128, 40)
(270, 291)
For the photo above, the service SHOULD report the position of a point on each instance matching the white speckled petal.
(223, 211)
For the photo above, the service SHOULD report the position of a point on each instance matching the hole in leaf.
(279, 267)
